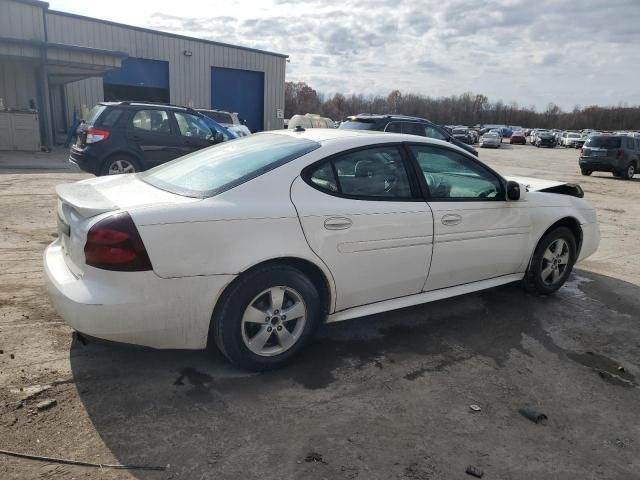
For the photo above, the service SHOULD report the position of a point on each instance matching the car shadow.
(208, 419)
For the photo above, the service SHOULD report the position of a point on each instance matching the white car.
(250, 244)
(490, 139)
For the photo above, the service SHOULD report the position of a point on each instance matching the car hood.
(549, 186)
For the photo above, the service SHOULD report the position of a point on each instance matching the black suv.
(403, 124)
(127, 137)
(618, 154)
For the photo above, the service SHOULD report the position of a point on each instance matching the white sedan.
(250, 244)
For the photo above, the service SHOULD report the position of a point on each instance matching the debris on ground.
(474, 407)
(80, 463)
(533, 414)
(474, 471)
(314, 457)
(12, 356)
(46, 404)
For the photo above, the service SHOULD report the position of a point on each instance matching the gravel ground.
(382, 397)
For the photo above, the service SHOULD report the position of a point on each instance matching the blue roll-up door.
(240, 91)
(140, 72)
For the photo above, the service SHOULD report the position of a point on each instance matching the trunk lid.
(79, 203)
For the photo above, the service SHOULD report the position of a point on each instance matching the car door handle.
(337, 223)
(451, 219)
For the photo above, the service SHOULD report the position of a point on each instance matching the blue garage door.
(240, 91)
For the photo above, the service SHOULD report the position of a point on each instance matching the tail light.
(620, 153)
(115, 244)
(94, 135)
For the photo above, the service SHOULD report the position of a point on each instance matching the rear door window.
(413, 128)
(152, 121)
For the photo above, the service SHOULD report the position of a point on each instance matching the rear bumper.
(600, 164)
(138, 308)
(84, 159)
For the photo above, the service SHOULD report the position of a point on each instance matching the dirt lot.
(383, 397)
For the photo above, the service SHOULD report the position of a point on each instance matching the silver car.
(490, 139)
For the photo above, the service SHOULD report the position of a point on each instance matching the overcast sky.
(580, 52)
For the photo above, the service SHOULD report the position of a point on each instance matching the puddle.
(610, 371)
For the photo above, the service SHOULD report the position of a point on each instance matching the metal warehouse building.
(54, 66)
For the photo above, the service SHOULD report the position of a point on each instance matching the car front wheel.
(552, 262)
(264, 319)
(586, 172)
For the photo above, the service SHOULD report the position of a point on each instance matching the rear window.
(459, 131)
(216, 169)
(94, 113)
(603, 142)
(574, 135)
(219, 117)
(110, 118)
(358, 125)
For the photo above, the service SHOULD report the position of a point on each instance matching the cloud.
(531, 52)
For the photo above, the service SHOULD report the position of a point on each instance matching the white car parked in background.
(490, 139)
(250, 244)
(230, 120)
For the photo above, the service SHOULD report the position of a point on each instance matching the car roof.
(324, 135)
(132, 103)
(379, 116)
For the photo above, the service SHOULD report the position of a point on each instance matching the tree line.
(465, 109)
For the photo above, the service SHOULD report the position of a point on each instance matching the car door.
(478, 234)
(363, 215)
(151, 131)
(194, 133)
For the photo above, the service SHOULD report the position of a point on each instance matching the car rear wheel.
(266, 317)
(552, 262)
(119, 164)
(629, 171)
(586, 172)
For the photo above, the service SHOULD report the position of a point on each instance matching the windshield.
(213, 170)
(216, 127)
(574, 135)
(358, 125)
(459, 131)
(603, 142)
(491, 135)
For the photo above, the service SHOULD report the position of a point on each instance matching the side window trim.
(425, 188)
(416, 193)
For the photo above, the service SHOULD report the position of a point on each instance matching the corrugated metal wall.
(189, 77)
(21, 20)
(17, 83)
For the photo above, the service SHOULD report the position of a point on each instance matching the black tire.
(629, 171)
(534, 280)
(226, 328)
(586, 172)
(123, 158)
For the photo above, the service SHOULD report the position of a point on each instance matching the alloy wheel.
(554, 262)
(273, 321)
(118, 167)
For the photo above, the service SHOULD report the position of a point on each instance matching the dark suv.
(404, 124)
(127, 137)
(618, 154)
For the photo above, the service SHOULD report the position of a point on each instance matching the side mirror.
(513, 190)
